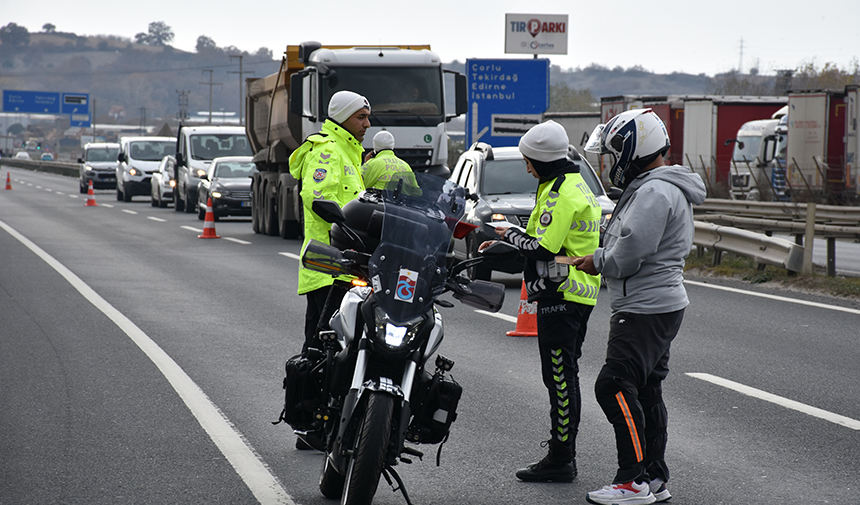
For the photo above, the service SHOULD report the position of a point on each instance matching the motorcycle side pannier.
(303, 392)
(432, 420)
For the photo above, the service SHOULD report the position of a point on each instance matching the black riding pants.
(561, 327)
(630, 392)
(322, 303)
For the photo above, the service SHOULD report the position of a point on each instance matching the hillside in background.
(132, 82)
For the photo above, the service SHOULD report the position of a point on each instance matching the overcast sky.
(662, 36)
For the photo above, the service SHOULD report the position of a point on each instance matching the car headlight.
(498, 217)
(88, 168)
(134, 171)
(395, 336)
(216, 194)
(200, 173)
(172, 183)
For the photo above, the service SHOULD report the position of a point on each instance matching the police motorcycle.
(366, 399)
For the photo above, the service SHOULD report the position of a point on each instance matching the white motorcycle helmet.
(634, 139)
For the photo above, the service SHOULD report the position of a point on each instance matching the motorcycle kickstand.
(389, 472)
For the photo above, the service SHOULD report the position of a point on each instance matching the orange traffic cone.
(526, 317)
(91, 198)
(208, 222)
(8, 181)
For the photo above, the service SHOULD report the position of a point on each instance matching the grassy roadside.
(744, 269)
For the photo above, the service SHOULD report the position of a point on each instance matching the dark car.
(228, 184)
(505, 191)
(98, 164)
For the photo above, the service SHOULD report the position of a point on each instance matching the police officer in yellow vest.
(564, 222)
(327, 166)
(381, 165)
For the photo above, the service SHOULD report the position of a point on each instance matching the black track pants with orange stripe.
(629, 389)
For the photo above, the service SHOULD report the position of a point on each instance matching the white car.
(163, 181)
(138, 159)
(22, 155)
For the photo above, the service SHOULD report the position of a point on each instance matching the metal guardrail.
(803, 220)
(761, 248)
(54, 167)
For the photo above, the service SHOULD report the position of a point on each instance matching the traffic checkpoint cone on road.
(209, 222)
(91, 198)
(8, 181)
(526, 317)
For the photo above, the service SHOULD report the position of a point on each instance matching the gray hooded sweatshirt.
(650, 234)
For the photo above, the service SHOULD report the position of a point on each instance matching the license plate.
(245, 204)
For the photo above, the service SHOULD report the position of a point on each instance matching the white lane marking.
(504, 317)
(196, 230)
(129, 211)
(158, 219)
(785, 402)
(238, 241)
(103, 204)
(774, 297)
(291, 255)
(244, 459)
(73, 196)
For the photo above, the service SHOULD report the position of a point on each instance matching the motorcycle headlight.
(395, 336)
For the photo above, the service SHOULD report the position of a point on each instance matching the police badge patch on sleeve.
(319, 174)
(545, 218)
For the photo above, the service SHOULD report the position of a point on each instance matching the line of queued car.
(147, 166)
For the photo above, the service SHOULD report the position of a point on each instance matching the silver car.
(163, 182)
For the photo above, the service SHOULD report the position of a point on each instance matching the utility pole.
(741, 64)
(241, 96)
(183, 104)
(210, 83)
(94, 120)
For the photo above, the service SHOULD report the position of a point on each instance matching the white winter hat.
(344, 104)
(383, 140)
(545, 142)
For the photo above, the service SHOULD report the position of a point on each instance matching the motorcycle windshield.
(409, 268)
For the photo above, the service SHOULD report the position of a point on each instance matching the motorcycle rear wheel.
(371, 445)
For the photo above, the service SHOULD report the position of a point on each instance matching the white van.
(196, 148)
(138, 159)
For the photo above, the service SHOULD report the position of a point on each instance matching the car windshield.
(106, 154)
(234, 169)
(152, 150)
(208, 146)
(504, 177)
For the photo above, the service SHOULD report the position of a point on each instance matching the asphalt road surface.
(140, 364)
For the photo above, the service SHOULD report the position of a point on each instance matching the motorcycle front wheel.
(371, 445)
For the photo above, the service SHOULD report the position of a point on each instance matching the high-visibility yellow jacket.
(327, 167)
(384, 167)
(564, 222)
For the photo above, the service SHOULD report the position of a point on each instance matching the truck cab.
(753, 173)
(196, 147)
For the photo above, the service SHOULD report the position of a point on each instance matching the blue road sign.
(76, 103)
(506, 98)
(36, 102)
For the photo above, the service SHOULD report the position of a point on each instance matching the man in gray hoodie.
(642, 261)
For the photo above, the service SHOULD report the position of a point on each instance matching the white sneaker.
(629, 493)
(658, 489)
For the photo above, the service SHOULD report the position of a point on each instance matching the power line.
(240, 72)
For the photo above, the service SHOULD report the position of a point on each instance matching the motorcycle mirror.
(328, 210)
